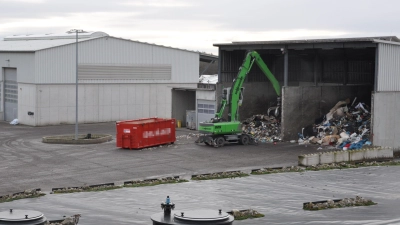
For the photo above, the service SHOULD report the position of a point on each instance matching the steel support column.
(286, 67)
(376, 68)
(316, 69)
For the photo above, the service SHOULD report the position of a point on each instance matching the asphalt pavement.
(279, 197)
(26, 162)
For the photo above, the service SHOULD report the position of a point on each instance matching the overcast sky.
(198, 24)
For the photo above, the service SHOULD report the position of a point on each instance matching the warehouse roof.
(35, 45)
(51, 36)
(204, 57)
(314, 41)
(32, 43)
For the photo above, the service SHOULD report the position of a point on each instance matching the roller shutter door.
(10, 94)
(205, 110)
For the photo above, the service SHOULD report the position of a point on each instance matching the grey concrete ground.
(26, 162)
(278, 196)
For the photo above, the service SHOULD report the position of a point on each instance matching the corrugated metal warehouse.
(119, 79)
(316, 74)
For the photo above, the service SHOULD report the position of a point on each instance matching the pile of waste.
(188, 136)
(263, 128)
(345, 126)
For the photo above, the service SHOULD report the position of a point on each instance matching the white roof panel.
(34, 45)
(50, 36)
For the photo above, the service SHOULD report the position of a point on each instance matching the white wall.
(57, 65)
(27, 103)
(102, 102)
(386, 121)
(388, 67)
(24, 62)
(205, 95)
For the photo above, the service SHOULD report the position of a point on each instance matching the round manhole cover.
(204, 215)
(15, 216)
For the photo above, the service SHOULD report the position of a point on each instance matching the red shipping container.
(142, 133)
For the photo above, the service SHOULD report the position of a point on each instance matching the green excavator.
(219, 131)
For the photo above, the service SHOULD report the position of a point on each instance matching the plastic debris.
(14, 122)
(345, 126)
(263, 128)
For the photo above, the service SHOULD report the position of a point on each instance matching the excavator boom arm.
(267, 72)
(248, 62)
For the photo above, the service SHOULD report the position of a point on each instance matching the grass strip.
(346, 202)
(146, 183)
(277, 170)
(245, 214)
(222, 175)
(26, 194)
(86, 189)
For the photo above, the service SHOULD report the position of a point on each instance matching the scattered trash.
(263, 128)
(188, 136)
(345, 127)
(14, 122)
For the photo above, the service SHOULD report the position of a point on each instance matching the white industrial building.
(119, 79)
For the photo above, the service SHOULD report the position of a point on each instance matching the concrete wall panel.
(97, 103)
(63, 95)
(386, 122)
(70, 117)
(302, 105)
(27, 103)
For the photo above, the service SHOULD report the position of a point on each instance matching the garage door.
(10, 94)
(205, 110)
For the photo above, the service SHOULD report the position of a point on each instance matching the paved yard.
(26, 162)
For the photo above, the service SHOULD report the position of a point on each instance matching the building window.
(205, 108)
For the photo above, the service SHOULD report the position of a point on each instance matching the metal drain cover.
(204, 215)
(28, 217)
